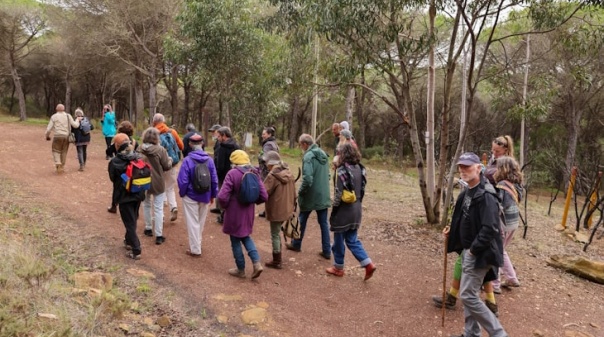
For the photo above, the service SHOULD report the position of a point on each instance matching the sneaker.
(215, 210)
(133, 256)
(325, 256)
(369, 270)
(159, 240)
(290, 246)
(174, 215)
(112, 209)
(335, 271)
(497, 290)
(148, 232)
(462, 335)
(262, 214)
(493, 307)
(450, 301)
(81, 168)
(257, 270)
(127, 246)
(188, 252)
(237, 272)
(510, 284)
(220, 219)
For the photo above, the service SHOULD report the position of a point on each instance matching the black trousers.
(129, 214)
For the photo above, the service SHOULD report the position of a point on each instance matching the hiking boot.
(497, 290)
(493, 307)
(127, 246)
(112, 209)
(450, 301)
(335, 271)
(219, 219)
(174, 213)
(369, 270)
(215, 210)
(159, 240)
(276, 262)
(81, 168)
(290, 246)
(257, 270)
(262, 214)
(237, 272)
(148, 232)
(325, 256)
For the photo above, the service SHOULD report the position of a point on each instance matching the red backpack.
(137, 177)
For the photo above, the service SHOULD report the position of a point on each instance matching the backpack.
(249, 191)
(85, 126)
(202, 181)
(169, 143)
(137, 177)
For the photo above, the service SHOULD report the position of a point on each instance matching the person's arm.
(307, 176)
(179, 142)
(183, 178)
(337, 194)
(51, 125)
(224, 195)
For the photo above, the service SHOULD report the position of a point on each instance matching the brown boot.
(257, 270)
(276, 262)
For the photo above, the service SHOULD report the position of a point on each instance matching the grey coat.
(344, 216)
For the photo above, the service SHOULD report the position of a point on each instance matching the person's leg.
(325, 237)
(338, 249)
(507, 271)
(57, 144)
(170, 183)
(356, 247)
(108, 143)
(302, 218)
(238, 253)
(252, 252)
(64, 150)
(475, 310)
(129, 215)
(147, 211)
(193, 225)
(80, 152)
(275, 235)
(84, 153)
(202, 211)
(158, 212)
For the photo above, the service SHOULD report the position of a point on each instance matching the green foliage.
(374, 152)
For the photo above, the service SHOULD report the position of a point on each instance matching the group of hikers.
(484, 219)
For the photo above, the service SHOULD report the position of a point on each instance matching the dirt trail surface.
(301, 299)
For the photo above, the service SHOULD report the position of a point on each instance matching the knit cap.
(239, 157)
(272, 158)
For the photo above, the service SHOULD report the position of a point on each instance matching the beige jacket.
(59, 123)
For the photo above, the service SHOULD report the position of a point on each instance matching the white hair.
(158, 118)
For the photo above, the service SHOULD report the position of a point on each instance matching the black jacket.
(476, 225)
(81, 138)
(222, 158)
(117, 166)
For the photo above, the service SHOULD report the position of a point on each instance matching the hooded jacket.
(117, 166)
(238, 217)
(187, 172)
(222, 158)
(280, 185)
(108, 123)
(269, 144)
(158, 158)
(475, 225)
(313, 193)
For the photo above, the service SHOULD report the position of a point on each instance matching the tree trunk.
(293, 130)
(140, 99)
(574, 117)
(429, 137)
(350, 105)
(18, 89)
(67, 93)
(152, 95)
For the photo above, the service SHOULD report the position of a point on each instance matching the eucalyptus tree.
(21, 22)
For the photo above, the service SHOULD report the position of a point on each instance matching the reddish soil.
(302, 299)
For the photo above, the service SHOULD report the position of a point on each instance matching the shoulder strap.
(507, 186)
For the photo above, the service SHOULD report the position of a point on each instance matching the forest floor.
(301, 299)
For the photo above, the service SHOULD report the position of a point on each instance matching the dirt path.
(301, 299)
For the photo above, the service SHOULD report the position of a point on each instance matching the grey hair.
(196, 146)
(190, 127)
(158, 118)
(225, 131)
(79, 112)
(151, 136)
(307, 139)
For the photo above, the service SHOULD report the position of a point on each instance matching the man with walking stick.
(475, 234)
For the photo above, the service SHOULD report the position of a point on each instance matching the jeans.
(349, 239)
(82, 154)
(158, 212)
(475, 311)
(249, 245)
(322, 218)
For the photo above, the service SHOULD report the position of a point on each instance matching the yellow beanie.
(239, 157)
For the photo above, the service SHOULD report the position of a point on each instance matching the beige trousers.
(60, 145)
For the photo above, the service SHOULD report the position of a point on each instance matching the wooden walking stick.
(444, 280)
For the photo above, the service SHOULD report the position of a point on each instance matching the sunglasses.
(500, 143)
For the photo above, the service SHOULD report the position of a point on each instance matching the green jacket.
(314, 190)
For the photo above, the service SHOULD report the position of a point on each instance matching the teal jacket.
(314, 190)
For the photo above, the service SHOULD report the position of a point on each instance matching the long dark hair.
(348, 154)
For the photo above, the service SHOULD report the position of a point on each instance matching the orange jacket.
(163, 128)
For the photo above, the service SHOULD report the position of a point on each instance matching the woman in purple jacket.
(238, 217)
(196, 203)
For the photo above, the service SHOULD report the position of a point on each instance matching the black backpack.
(202, 181)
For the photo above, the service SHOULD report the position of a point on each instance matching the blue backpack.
(249, 191)
(169, 143)
(85, 126)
